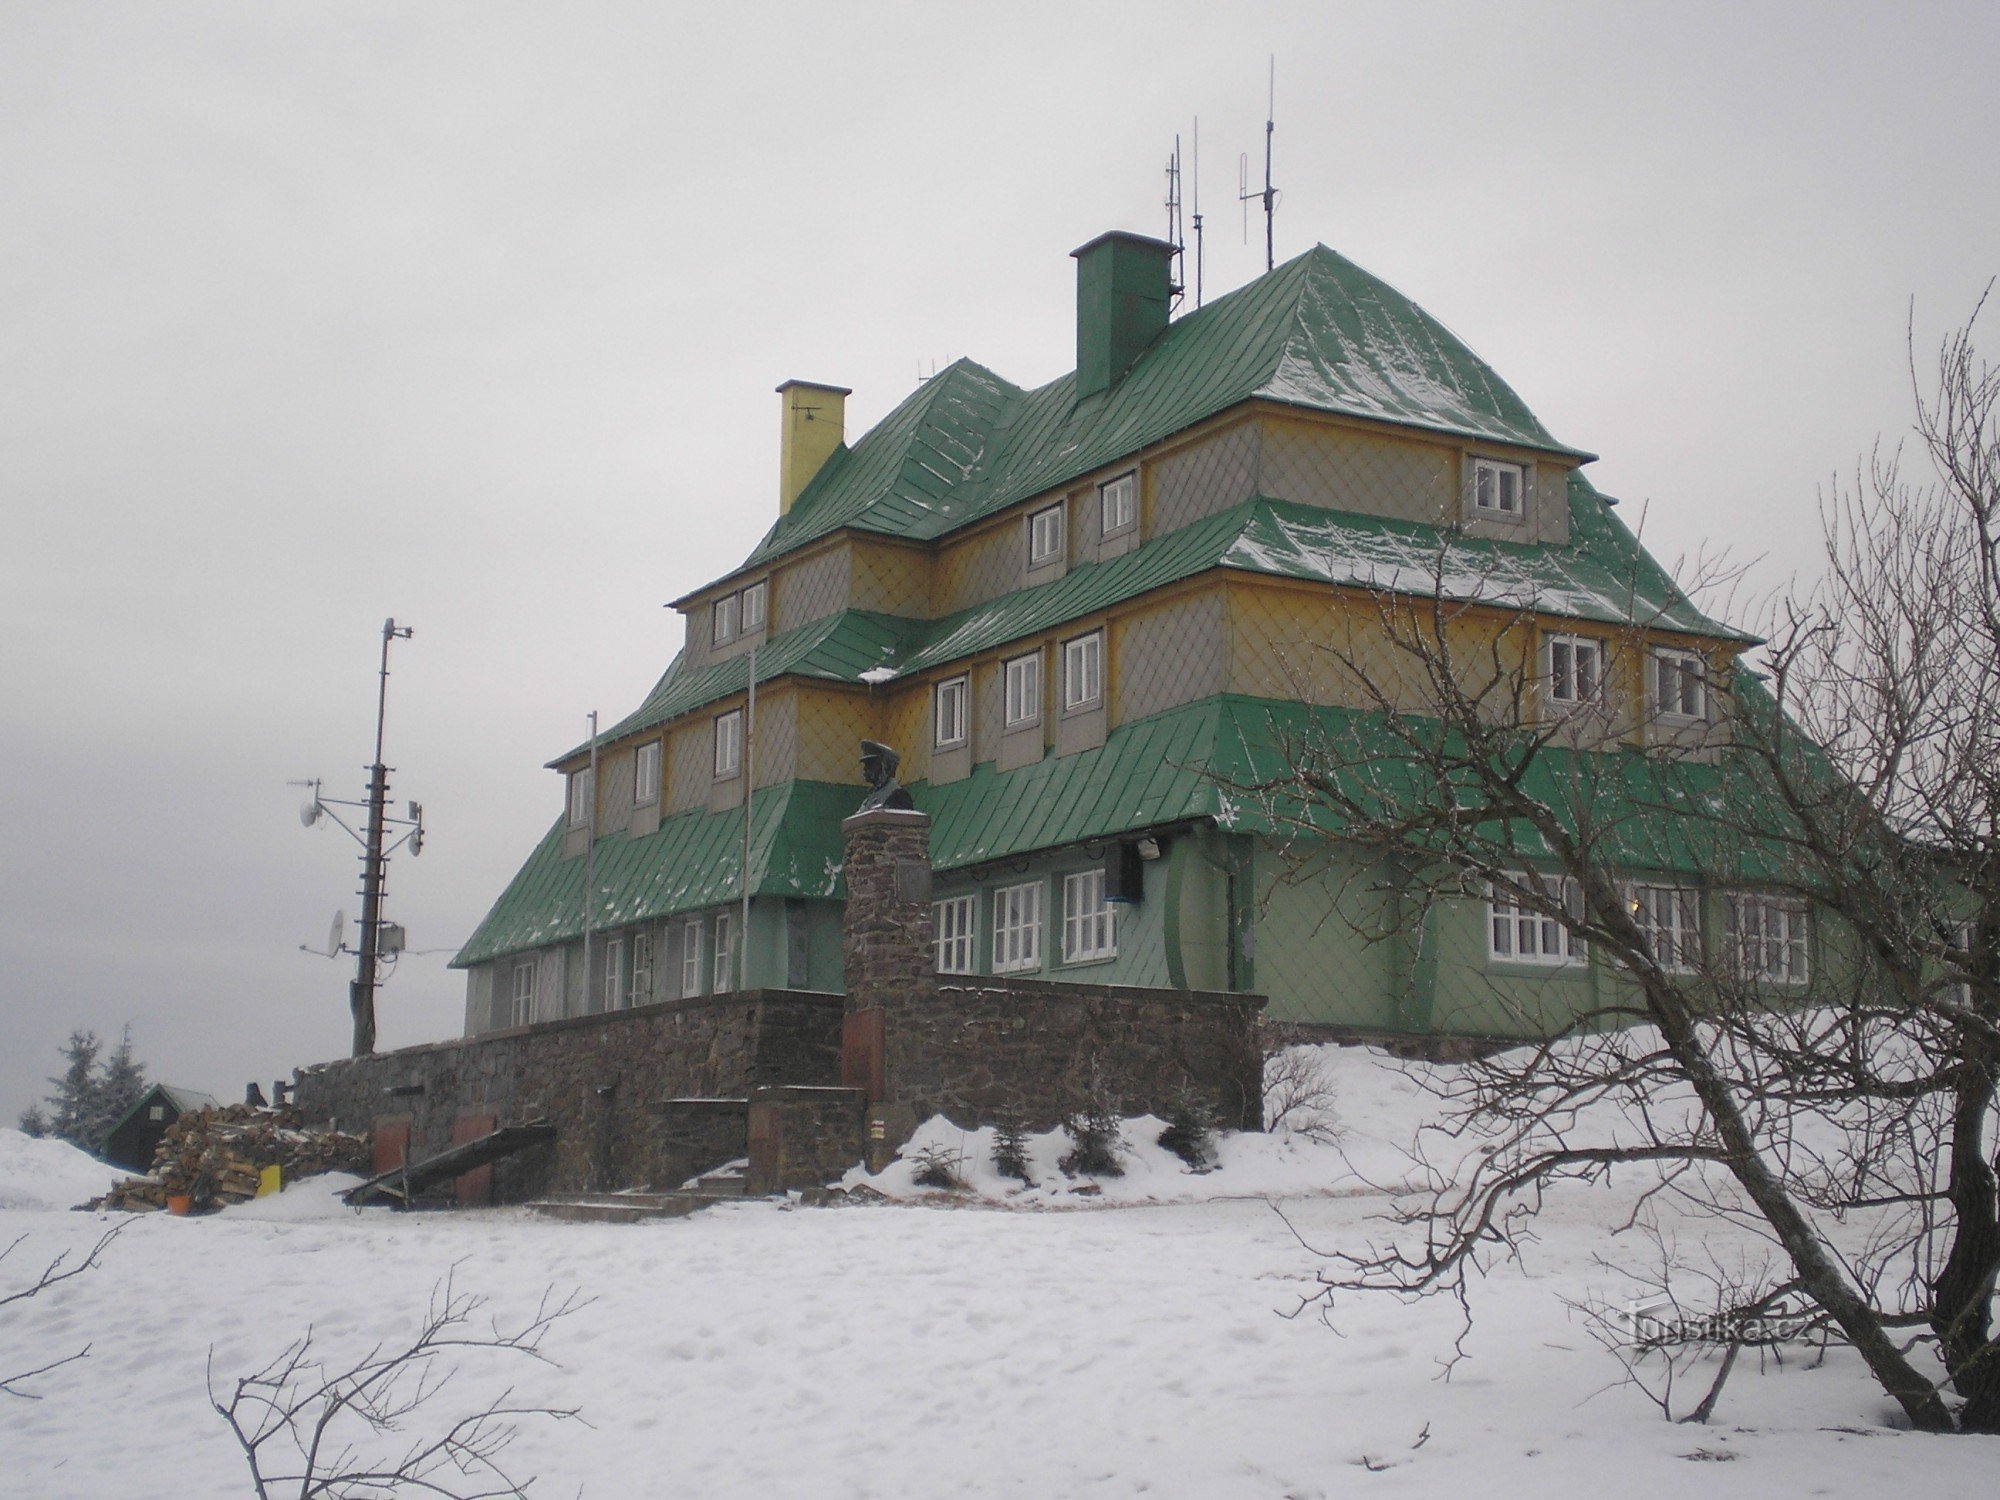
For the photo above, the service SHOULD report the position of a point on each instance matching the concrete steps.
(726, 1184)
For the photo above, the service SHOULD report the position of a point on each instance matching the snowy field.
(1132, 1343)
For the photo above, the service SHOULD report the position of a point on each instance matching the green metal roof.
(1318, 332)
(691, 862)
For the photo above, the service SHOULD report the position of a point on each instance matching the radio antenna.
(1195, 185)
(1270, 193)
(1178, 287)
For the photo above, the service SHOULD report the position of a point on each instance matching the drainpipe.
(749, 788)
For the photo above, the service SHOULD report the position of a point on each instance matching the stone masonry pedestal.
(888, 960)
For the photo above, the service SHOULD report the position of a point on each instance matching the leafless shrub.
(53, 1274)
(377, 1425)
(1298, 1097)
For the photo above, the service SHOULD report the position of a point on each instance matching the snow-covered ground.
(1018, 1343)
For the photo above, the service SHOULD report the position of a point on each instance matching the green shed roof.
(1318, 332)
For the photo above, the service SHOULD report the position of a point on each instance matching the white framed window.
(1679, 684)
(1525, 934)
(157, 1112)
(524, 992)
(1017, 928)
(1045, 536)
(728, 744)
(955, 925)
(1090, 923)
(1669, 918)
(646, 773)
(1575, 670)
(582, 797)
(1023, 690)
(725, 954)
(948, 718)
(614, 973)
(1965, 936)
(754, 611)
(1499, 489)
(691, 957)
(1083, 671)
(1767, 938)
(642, 968)
(1118, 503)
(728, 617)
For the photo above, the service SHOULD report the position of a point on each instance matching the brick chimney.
(815, 424)
(1124, 287)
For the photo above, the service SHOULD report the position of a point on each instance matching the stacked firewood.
(215, 1157)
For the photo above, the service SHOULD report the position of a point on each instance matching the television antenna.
(1270, 194)
(374, 837)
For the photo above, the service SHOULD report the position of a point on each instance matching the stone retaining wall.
(615, 1086)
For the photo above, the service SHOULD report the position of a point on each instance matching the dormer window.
(1045, 536)
(1680, 685)
(728, 615)
(1118, 504)
(1575, 671)
(728, 744)
(741, 613)
(1022, 681)
(582, 797)
(1499, 490)
(949, 717)
(753, 607)
(646, 773)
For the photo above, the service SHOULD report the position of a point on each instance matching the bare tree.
(52, 1274)
(309, 1429)
(1847, 1123)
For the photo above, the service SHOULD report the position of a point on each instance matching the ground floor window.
(1767, 938)
(725, 967)
(691, 958)
(524, 992)
(954, 923)
(1669, 918)
(1090, 923)
(1521, 932)
(642, 969)
(1017, 928)
(614, 973)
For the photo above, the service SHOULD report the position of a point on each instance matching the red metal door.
(475, 1188)
(392, 1142)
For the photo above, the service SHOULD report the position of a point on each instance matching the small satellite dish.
(309, 814)
(335, 933)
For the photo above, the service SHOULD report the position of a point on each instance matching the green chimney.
(1124, 284)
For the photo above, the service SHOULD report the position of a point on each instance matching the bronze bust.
(878, 769)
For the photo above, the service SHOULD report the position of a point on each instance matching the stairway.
(725, 1184)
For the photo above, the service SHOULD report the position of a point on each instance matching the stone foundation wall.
(987, 1050)
(615, 1086)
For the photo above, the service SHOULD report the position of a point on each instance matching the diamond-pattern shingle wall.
(690, 766)
(831, 727)
(1174, 654)
(811, 590)
(1368, 473)
(977, 568)
(777, 738)
(891, 580)
(1202, 478)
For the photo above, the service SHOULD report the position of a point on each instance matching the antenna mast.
(1178, 288)
(1270, 193)
(374, 863)
(1195, 184)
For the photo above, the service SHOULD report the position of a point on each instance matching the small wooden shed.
(131, 1142)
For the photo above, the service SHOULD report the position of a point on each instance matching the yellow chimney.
(815, 423)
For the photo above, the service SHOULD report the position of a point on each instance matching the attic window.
(728, 612)
(1575, 671)
(157, 1112)
(949, 725)
(1499, 491)
(646, 773)
(753, 607)
(1022, 679)
(1045, 536)
(582, 797)
(728, 744)
(1680, 685)
(1118, 504)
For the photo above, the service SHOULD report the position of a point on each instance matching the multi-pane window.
(1575, 670)
(642, 968)
(1023, 690)
(728, 743)
(955, 923)
(949, 718)
(691, 957)
(728, 618)
(725, 956)
(753, 607)
(1045, 536)
(1017, 928)
(1090, 923)
(1767, 938)
(1669, 918)
(1083, 671)
(1680, 685)
(524, 992)
(614, 973)
(1498, 489)
(1118, 503)
(1520, 931)
(582, 797)
(646, 772)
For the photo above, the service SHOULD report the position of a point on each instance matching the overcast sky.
(312, 314)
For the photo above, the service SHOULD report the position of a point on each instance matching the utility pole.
(374, 863)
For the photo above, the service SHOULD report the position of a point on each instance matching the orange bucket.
(179, 1203)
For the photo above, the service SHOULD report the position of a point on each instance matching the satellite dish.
(335, 933)
(309, 814)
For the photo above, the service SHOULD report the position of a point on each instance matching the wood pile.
(217, 1156)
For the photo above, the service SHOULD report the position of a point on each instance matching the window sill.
(1095, 960)
(1006, 973)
